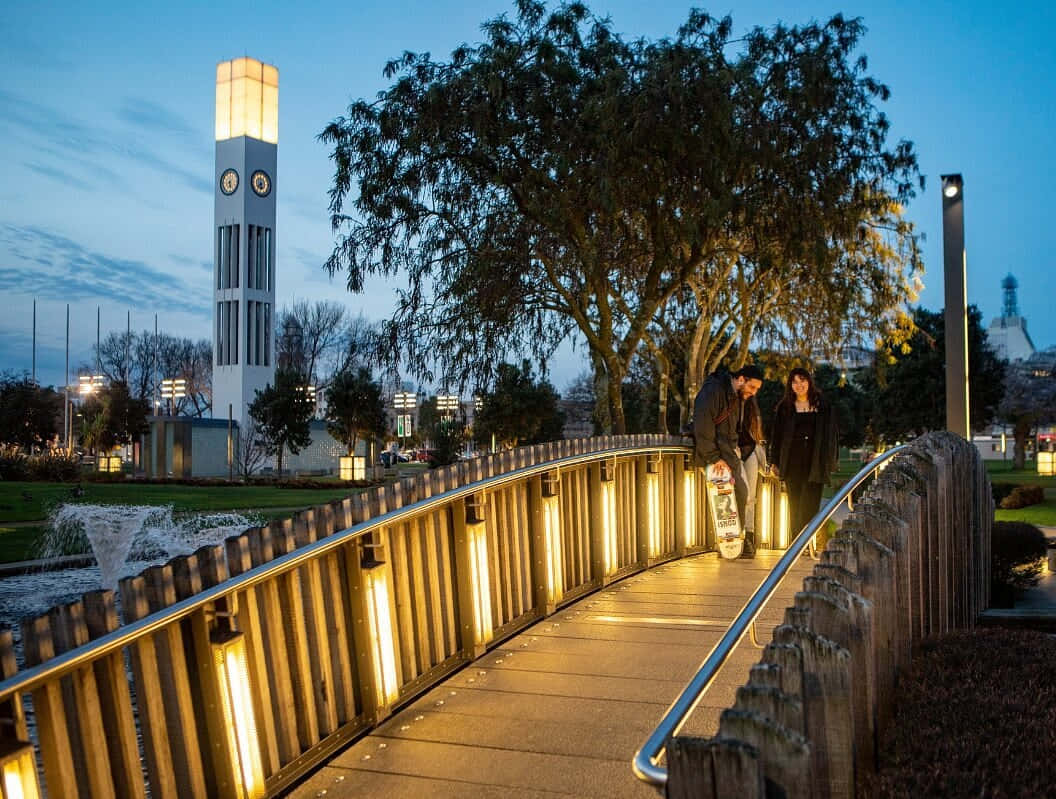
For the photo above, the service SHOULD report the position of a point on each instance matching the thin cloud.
(153, 118)
(63, 177)
(70, 141)
(52, 266)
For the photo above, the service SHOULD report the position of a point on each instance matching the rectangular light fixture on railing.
(232, 674)
(784, 519)
(480, 580)
(555, 577)
(652, 498)
(765, 511)
(608, 525)
(1045, 463)
(689, 499)
(381, 635)
(18, 767)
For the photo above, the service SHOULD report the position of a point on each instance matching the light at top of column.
(951, 185)
(247, 100)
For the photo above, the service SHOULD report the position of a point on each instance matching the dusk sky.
(106, 135)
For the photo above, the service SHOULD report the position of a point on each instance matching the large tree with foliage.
(29, 414)
(112, 417)
(909, 386)
(1029, 401)
(283, 410)
(354, 408)
(557, 177)
(518, 409)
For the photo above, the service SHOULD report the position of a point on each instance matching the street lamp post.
(447, 404)
(172, 389)
(403, 401)
(956, 310)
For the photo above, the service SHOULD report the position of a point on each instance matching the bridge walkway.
(560, 709)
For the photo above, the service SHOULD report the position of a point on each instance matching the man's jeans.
(750, 477)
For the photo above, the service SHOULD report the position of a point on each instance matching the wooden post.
(177, 695)
(718, 768)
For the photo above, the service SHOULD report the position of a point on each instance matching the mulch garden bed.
(976, 717)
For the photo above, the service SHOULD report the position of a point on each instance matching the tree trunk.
(601, 397)
(278, 462)
(1020, 434)
(619, 422)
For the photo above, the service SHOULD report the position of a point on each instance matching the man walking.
(716, 414)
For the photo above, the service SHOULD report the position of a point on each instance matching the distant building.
(1008, 333)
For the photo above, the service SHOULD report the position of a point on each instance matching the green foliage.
(284, 413)
(448, 439)
(518, 409)
(852, 405)
(1028, 401)
(50, 465)
(354, 408)
(910, 391)
(54, 465)
(1016, 553)
(556, 176)
(112, 417)
(1022, 497)
(29, 415)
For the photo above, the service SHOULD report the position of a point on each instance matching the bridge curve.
(561, 708)
(586, 567)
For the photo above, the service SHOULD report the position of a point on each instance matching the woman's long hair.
(753, 421)
(813, 394)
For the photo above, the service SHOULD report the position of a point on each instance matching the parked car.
(426, 456)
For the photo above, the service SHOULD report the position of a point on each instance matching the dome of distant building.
(1008, 333)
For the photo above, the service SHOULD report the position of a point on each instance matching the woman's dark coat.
(826, 441)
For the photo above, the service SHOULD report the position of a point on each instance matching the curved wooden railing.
(241, 667)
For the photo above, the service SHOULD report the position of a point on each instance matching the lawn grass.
(1044, 513)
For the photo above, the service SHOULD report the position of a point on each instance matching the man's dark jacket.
(715, 414)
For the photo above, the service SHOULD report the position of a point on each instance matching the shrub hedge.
(1023, 496)
(976, 717)
(1017, 550)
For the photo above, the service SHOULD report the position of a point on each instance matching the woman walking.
(804, 447)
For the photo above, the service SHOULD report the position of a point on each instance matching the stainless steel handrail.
(645, 759)
(34, 676)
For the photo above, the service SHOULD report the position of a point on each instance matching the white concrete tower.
(247, 136)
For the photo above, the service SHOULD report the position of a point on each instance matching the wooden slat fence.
(911, 561)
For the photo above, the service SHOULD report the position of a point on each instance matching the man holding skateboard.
(716, 414)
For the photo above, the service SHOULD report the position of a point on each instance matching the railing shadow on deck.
(240, 668)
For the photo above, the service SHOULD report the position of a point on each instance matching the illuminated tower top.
(247, 100)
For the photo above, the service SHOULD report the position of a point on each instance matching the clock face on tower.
(261, 183)
(229, 181)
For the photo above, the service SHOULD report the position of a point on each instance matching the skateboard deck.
(722, 502)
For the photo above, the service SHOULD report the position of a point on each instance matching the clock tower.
(247, 136)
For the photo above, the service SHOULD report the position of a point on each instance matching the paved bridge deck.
(560, 709)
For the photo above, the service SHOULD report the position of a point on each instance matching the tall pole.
(128, 346)
(956, 306)
(34, 339)
(230, 444)
(155, 369)
(66, 423)
(98, 326)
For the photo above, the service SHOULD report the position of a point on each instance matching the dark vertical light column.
(956, 305)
